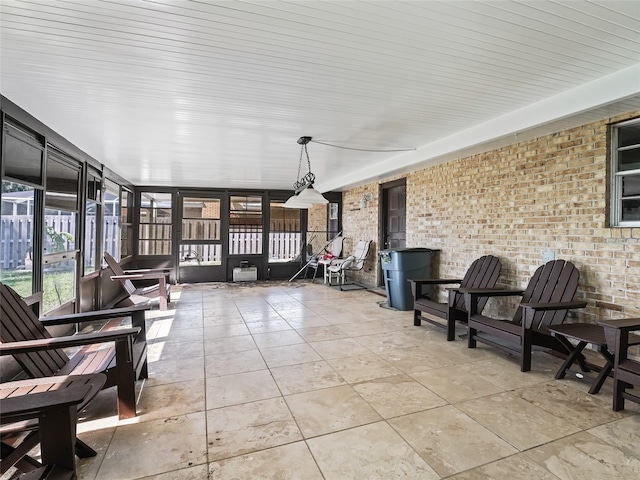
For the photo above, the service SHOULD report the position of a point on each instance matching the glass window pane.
(629, 160)
(90, 237)
(245, 225)
(62, 185)
(23, 159)
(111, 222)
(16, 232)
(284, 233)
(200, 219)
(631, 210)
(200, 255)
(155, 223)
(629, 135)
(59, 231)
(630, 185)
(58, 282)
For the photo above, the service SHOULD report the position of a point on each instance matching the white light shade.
(295, 202)
(312, 196)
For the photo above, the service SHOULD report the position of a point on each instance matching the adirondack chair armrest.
(491, 292)
(141, 276)
(28, 346)
(418, 283)
(531, 308)
(433, 281)
(98, 315)
(164, 271)
(26, 407)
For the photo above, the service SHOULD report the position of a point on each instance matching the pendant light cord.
(362, 149)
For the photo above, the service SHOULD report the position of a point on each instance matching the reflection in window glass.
(58, 282)
(245, 225)
(23, 154)
(284, 233)
(16, 230)
(625, 202)
(126, 239)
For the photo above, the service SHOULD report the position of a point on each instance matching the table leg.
(575, 352)
(604, 373)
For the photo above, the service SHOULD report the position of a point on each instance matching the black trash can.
(400, 264)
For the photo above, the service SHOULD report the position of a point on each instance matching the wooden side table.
(584, 333)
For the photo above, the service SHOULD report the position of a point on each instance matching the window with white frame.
(625, 169)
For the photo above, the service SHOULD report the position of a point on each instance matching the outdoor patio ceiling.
(216, 93)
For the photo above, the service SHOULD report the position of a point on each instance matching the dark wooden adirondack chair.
(161, 290)
(483, 273)
(44, 411)
(546, 301)
(24, 336)
(626, 371)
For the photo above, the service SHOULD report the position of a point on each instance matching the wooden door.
(394, 216)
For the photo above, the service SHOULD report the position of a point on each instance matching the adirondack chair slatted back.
(19, 323)
(117, 270)
(555, 281)
(483, 273)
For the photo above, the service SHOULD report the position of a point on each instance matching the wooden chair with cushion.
(123, 359)
(626, 371)
(545, 302)
(483, 273)
(160, 290)
(44, 411)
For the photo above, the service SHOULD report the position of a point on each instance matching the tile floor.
(302, 381)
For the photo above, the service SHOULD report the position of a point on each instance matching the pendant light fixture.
(305, 196)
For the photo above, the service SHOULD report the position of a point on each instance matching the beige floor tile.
(212, 320)
(250, 427)
(149, 448)
(305, 377)
(175, 371)
(329, 410)
(414, 359)
(372, 451)
(240, 388)
(216, 346)
(623, 434)
(185, 335)
(277, 339)
(199, 472)
(450, 441)
(161, 350)
(516, 467)
(583, 456)
(344, 347)
(236, 362)
(98, 439)
(308, 321)
(363, 368)
(267, 326)
(576, 407)
(228, 330)
(517, 421)
(383, 342)
(359, 329)
(171, 400)
(288, 462)
(397, 395)
(321, 334)
(504, 372)
(455, 383)
(289, 355)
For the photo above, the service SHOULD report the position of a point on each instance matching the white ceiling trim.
(603, 91)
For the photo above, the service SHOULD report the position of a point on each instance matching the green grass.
(58, 287)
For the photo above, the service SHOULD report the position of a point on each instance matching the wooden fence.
(16, 239)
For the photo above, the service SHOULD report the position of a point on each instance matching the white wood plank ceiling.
(216, 93)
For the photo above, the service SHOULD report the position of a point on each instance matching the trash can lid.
(409, 249)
